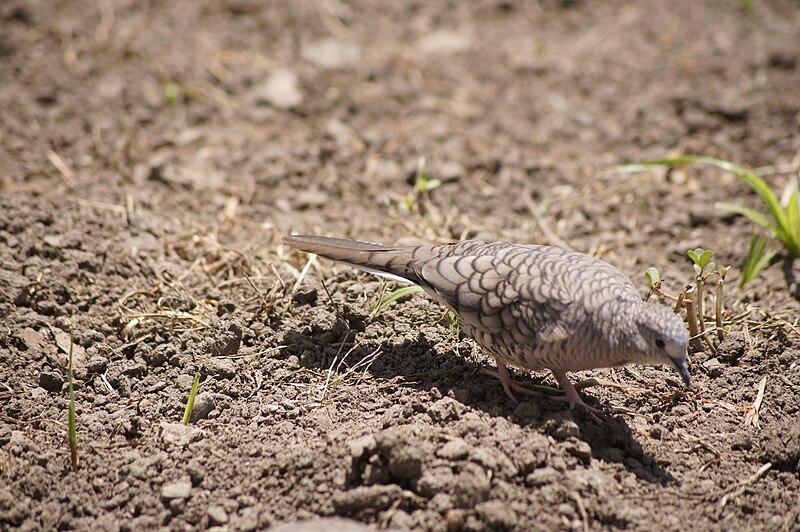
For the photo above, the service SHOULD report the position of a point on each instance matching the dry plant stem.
(700, 304)
(718, 310)
(691, 320)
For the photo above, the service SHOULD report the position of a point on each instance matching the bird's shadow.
(422, 367)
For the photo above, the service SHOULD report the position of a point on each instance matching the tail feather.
(392, 262)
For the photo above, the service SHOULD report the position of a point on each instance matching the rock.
(471, 486)
(497, 515)
(281, 90)
(541, 477)
(366, 498)
(178, 433)
(50, 381)
(363, 445)
(227, 340)
(217, 515)
(445, 409)
(579, 449)
(455, 449)
(31, 339)
(444, 42)
(203, 405)
(221, 367)
(331, 53)
(562, 428)
(326, 524)
(178, 489)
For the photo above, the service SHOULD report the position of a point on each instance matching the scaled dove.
(532, 306)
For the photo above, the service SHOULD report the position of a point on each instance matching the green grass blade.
(779, 215)
(793, 226)
(753, 215)
(756, 259)
(393, 296)
(72, 431)
(187, 413)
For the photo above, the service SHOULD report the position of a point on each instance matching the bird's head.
(662, 338)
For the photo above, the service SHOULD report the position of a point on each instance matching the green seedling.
(757, 259)
(72, 432)
(394, 296)
(187, 413)
(693, 298)
(172, 91)
(423, 186)
(783, 221)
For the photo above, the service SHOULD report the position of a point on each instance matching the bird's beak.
(680, 365)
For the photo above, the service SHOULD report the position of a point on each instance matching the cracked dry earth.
(152, 154)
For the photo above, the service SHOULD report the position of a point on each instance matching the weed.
(187, 413)
(756, 260)
(783, 221)
(695, 295)
(423, 185)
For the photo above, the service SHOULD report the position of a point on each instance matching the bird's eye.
(660, 343)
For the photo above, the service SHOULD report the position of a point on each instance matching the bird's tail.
(393, 262)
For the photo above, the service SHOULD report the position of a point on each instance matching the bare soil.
(153, 153)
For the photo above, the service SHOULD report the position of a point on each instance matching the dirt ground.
(153, 153)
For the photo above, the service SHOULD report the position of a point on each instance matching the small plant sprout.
(423, 185)
(784, 217)
(394, 296)
(72, 433)
(694, 296)
(757, 259)
(187, 413)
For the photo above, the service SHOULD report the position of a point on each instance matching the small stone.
(203, 405)
(366, 498)
(562, 428)
(541, 477)
(221, 367)
(444, 42)
(580, 450)
(179, 434)
(282, 89)
(178, 489)
(52, 382)
(325, 524)
(331, 54)
(497, 515)
(217, 515)
(455, 449)
(363, 445)
(445, 409)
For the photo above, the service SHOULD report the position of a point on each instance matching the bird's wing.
(490, 295)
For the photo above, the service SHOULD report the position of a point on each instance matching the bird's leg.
(508, 383)
(572, 398)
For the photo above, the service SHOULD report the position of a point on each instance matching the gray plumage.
(532, 306)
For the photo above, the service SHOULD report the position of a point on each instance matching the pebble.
(178, 489)
(541, 477)
(203, 405)
(50, 381)
(217, 515)
(378, 497)
(579, 449)
(282, 89)
(455, 449)
(179, 434)
(331, 53)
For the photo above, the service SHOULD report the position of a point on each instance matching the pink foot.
(572, 398)
(509, 385)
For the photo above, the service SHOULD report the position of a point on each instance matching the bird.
(531, 306)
